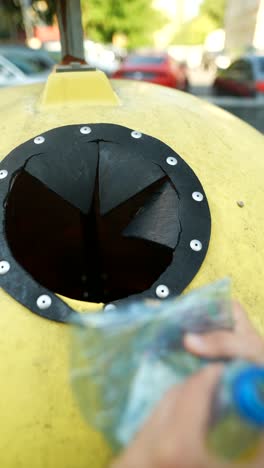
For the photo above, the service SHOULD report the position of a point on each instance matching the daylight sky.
(192, 8)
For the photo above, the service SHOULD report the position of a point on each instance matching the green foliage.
(214, 9)
(102, 18)
(134, 18)
(211, 17)
(10, 6)
(48, 15)
(11, 17)
(195, 31)
(12, 9)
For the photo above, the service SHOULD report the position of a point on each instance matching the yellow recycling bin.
(109, 191)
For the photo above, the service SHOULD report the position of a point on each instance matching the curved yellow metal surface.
(40, 423)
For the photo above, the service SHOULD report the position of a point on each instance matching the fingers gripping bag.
(123, 360)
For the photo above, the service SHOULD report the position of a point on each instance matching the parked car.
(22, 65)
(244, 77)
(157, 68)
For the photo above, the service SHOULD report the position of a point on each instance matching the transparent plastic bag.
(124, 360)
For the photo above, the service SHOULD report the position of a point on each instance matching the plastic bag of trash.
(124, 360)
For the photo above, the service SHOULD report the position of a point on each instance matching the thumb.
(214, 345)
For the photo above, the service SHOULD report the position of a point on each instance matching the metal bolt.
(171, 161)
(4, 267)
(3, 174)
(44, 301)
(85, 130)
(197, 196)
(109, 307)
(38, 140)
(135, 134)
(196, 245)
(162, 291)
(240, 203)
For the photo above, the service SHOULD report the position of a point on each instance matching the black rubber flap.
(122, 174)
(158, 220)
(68, 167)
(112, 175)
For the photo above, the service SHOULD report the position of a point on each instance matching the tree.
(101, 18)
(195, 31)
(214, 9)
(47, 16)
(210, 17)
(134, 18)
(11, 17)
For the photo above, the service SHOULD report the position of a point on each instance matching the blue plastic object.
(247, 395)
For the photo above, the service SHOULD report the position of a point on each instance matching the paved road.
(201, 82)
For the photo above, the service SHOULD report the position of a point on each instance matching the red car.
(157, 68)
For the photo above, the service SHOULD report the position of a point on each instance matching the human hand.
(175, 434)
(243, 342)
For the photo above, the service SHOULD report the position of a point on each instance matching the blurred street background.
(211, 48)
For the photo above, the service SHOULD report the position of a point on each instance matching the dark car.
(157, 68)
(244, 77)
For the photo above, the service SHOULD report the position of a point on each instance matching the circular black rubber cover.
(70, 160)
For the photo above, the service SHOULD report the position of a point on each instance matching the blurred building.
(244, 25)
